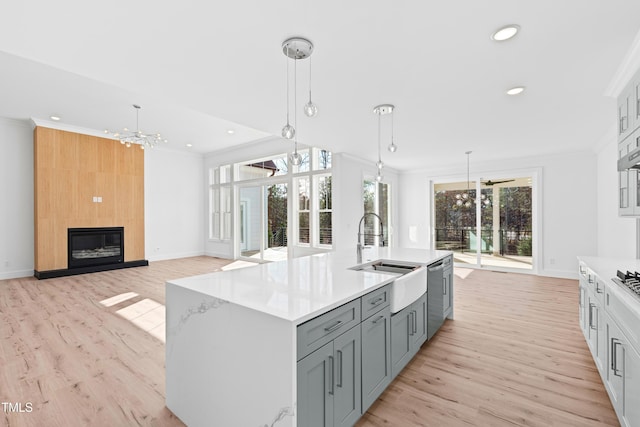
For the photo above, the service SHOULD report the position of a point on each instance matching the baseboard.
(15, 274)
(559, 274)
(166, 257)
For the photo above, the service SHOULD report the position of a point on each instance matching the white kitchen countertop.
(302, 288)
(606, 269)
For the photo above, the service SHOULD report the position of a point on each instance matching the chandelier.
(383, 110)
(143, 139)
(465, 199)
(297, 48)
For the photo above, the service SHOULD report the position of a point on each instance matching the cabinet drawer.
(374, 301)
(317, 332)
(448, 261)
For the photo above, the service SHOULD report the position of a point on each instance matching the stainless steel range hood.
(630, 161)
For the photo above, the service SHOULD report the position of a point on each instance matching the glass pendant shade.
(392, 147)
(379, 177)
(288, 131)
(379, 164)
(310, 109)
(295, 158)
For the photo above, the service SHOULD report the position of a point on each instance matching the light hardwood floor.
(514, 355)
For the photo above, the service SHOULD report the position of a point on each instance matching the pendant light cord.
(379, 158)
(309, 78)
(287, 59)
(295, 99)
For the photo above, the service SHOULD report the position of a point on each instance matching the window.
(325, 230)
(220, 203)
(376, 196)
(303, 211)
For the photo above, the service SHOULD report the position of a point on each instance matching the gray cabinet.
(376, 356)
(408, 333)
(329, 381)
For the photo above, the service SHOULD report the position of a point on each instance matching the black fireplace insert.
(95, 246)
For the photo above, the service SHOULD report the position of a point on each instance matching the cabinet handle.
(415, 322)
(331, 375)
(444, 285)
(377, 301)
(339, 368)
(411, 322)
(582, 270)
(591, 316)
(333, 327)
(590, 279)
(377, 320)
(614, 357)
(598, 290)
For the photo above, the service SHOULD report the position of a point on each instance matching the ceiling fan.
(490, 183)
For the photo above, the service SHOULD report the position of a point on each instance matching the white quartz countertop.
(606, 269)
(302, 288)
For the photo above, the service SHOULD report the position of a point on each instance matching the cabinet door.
(347, 398)
(631, 386)
(419, 323)
(624, 101)
(614, 378)
(596, 331)
(376, 356)
(400, 340)
(316, 388)
(582, 303)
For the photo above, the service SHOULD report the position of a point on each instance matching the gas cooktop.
(629, 280)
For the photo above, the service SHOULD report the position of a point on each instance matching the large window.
(376, 196)
(277, 204)
(220, 203)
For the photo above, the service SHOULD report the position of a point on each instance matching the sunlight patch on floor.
(118, 299)
(148, 315)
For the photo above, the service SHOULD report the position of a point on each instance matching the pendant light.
(392, 147)
(463, 199)
(383, 110)
(310, 109)
(296, 48)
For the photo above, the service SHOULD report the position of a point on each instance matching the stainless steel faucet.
(360, 234)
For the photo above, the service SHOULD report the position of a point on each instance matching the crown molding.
(627, 68)
(69, 128)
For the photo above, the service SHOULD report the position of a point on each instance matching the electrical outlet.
(552, 261)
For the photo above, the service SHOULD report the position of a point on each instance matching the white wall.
(174, 206)
(616, 236)
(348, 204)
(568, 197)
(16, 198)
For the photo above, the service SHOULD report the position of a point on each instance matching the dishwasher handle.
(436, 266)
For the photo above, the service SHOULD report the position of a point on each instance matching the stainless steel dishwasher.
(435, 295)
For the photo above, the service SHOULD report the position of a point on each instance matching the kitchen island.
(232, 337)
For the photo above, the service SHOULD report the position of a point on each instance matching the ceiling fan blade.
(490, 183)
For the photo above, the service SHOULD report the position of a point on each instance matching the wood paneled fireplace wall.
(84, 181)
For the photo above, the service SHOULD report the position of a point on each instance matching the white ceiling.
(195, 66)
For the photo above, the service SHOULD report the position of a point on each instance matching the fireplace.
(89, 247)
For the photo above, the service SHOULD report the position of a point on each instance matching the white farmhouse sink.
(410, 285)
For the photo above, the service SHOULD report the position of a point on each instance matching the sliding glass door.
(494, 230)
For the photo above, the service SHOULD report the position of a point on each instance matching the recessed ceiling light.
(515, 90)
(231, 131)
(505, 33)
(189, 145)
(55, 118)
